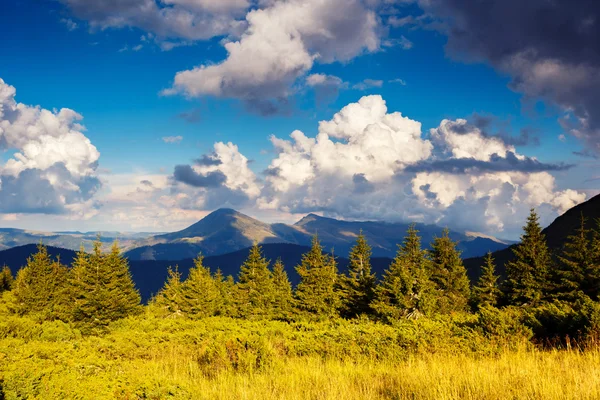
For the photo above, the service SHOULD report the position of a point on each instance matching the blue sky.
(57, 56)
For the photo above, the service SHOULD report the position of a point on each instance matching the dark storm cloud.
(510, 163)
(550, 48)
(186, 174)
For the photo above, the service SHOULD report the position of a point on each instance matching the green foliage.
(527, 280)
(202, 294)
(6, 279)
(254, 290)
(486, 292)
(358, 287)
(449, 275)
(283, 298)
(317, 292)
(571, 278)
(406, 289)
(168, 301)
(101, 288)
(39, 287)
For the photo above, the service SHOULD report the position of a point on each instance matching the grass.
(221, 358)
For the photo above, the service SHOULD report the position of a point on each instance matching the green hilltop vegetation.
(423, 331)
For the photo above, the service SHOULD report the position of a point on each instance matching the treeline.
(554, 296)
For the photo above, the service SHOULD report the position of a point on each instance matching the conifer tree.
(406, 289)
(358, 287)
(528, 274)
(317, 292)
(6, 279)
(449, 275)
(101, 288)
(170, 297)
(201, 292)
(486, 292)
(254, 290)
(282, 292)
(592, 275)
(571, 276)
(39, 287)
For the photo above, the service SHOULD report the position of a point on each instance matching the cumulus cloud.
(53, 168)
(220, 178)
(368, 163)
(280, 45)
(551, 51)
(166, 19)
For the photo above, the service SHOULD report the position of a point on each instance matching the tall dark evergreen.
(449, 275)
(486, 292)
(101, 288)
(254, 290)
(317, 292)
(358, 286)
(39, 287)
(169, 299)
(572, 277)
(593, 274)
(527, 280)
(406, 290)
(283, 300)
(202, 296)
(6, 279)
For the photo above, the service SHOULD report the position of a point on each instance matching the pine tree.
(574, 264)
(406, 289)
(282, 292)
(254, 290)
(316, 293)
(39, 287)
(227, 290)
(528, 274)
(358, 287)
(201, 292)
(486, 292)
(6, 279)
(101, 288)
(170, 297)
(592, 275)
(449, 275)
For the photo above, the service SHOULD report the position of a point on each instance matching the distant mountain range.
(556, 233)
(226, 230)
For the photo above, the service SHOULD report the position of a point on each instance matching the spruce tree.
(282, 292)
(528, 274)
(571, 276)
(406, 289)
(227, 290)
(170, 297)
(6, 279)
(39, 287)
(101, 288)
(449, 275)
(358, 287)
(202, 296)
(317, 292)
(486, 292)
(592, 275)
(254, 290)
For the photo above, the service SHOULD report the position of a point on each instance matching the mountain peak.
(308, 218)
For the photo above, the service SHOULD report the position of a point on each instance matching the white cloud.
(368, 84)
(54, 164)
(280, 45)
(172, 139)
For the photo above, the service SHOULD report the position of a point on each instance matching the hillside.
(225, 231)
(556, 233)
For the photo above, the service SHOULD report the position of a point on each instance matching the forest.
(422, 331)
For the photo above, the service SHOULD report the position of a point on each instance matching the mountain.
(556, 234)
(150, 275)
(10, 237)
(225, 231)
